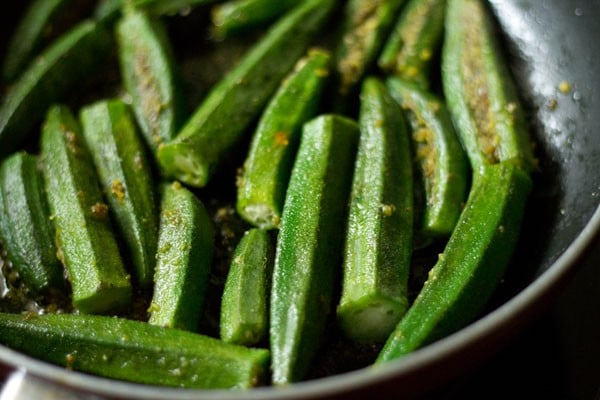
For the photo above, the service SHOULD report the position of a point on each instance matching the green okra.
(183, 260)
(236, 16)
(245, 306)
(479, 89)
(70, 60)
(40, 23)
(379, 239)
(472, 264)
(417, 35)
(232, 105)
(25, 228)
(440, 159)
(366, 27)
(84, 237)
(264, 179)
(134, 351)
(126, 178)
(110, 10)
(149, 76)
(309, 244)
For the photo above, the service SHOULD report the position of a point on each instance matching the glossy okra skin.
(134, 351)
(68, 61)
(84, 236)
(264, 179)
(441, 163)
(25, 227)
(417, 35)
(230, 107)
(236, 16)
(366, 26)
(183, 260)
(149, 76)
(245, 305)
(379, 238)
(480, 93)
(472, 264)
(309, 244)
(121, 161)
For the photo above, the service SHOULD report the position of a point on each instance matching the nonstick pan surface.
(549, 42)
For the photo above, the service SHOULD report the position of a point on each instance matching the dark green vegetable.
(380, 227)
(183, 260)
(411, 47)
(237, 100)
(122, 165)
(109, 10)
(441, 162)
(366, 26)
(69, 61)
(134, 351)
(472, 264)
(149, 76)
(244, 307)
(25, 227)
(480, 92)
(236, 16)
(84, 237)
(309, 244)
(36, 24)
(262, 185)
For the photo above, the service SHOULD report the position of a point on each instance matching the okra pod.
(366, 27)
(264, 179)
(472, 264)
(121, 162)
(183, 260)
(441, 163)
(25, 228)
(236, 16)
(43, 21)
(84, 236)
(134, 351)
(309, 244)
(149, 76)
(379, 239)
(239, 97)
(70, 60)
(480, 92)
(417, 35)
(245, 306)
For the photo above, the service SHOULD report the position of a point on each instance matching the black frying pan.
(550, 41)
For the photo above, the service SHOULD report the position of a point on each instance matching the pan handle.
(21, 385)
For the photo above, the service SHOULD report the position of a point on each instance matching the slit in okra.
(480, 92)
(230, 107)
(264, 178)
(84, 236)
(440, 160)
(380, 226)
(149, 76)
(411, 47)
